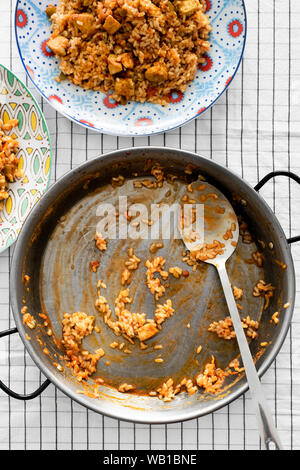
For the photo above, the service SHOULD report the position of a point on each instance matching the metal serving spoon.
(221, 225)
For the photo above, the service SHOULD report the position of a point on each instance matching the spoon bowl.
(218, 223)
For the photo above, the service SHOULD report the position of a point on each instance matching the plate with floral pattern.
(100, 112)
(34, 155)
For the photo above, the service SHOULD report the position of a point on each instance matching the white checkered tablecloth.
(253, 129)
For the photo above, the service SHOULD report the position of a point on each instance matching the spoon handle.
(269, 436)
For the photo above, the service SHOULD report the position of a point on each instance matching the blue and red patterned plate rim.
(137, 129)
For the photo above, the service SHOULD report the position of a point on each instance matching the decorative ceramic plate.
(34, 155)
(97, 110)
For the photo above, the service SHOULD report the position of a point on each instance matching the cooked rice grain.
(8, 160)
(77, 326)
(141, 50)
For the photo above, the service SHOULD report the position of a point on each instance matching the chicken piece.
(127, 60)
(114, 66)
(150, 8)
(124, 87)
(187, 7)
(147, 331)
(58, 45)
(50, 10)
(157, 73)
(111, 25)
(85, 22)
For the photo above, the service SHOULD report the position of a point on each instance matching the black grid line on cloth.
(273, 168)
(9, 257)
(290, 216)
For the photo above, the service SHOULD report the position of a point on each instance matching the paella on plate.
(25, 156)
(131, 67)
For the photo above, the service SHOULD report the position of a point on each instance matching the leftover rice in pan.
(130, 327)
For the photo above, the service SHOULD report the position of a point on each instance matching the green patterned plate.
(34, 155)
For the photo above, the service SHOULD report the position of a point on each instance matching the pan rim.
(143, 417)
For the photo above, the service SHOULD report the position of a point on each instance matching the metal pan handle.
(273, 174)
(13, 394)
